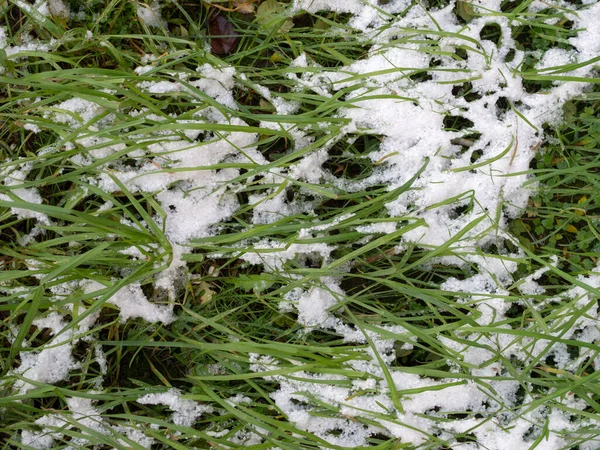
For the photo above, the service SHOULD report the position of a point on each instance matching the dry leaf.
(276, 57)
(207, 292)
(223, 36)
(243, 7)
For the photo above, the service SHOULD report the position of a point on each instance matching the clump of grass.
(561, 217)
(228, 312)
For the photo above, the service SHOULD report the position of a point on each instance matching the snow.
(150, 14)
(132, 303)
(185, 412)
(295, 395)
(313, 307)
(28, 44)
(58, 8)
(84, 416)
(274, 254)
(30, 195)
(50, 364)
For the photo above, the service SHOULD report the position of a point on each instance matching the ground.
(300, 224)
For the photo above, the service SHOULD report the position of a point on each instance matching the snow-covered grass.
(372, 224)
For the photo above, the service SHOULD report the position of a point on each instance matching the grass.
(230, 335)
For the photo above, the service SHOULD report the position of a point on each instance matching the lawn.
(304, 224)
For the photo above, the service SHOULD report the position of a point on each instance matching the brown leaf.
(241, 6)
(244, 7)
(206, 293)
(223, 37)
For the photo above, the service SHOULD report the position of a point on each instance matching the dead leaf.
(266, 11)
(287, 26)
(223, 36)
(464, 9)
(206, 292)
(244, 7)
(269, 15)
(276, 57)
